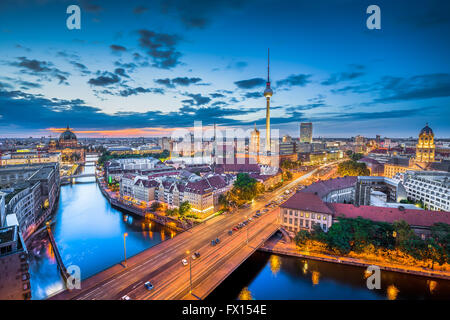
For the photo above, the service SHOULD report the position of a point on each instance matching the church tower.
(425, 147)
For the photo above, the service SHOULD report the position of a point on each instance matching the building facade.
(306, 132)
(430, 187)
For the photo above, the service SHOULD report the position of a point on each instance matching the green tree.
(185, 208)
(156, 206)
(352, 168)
(301, 237)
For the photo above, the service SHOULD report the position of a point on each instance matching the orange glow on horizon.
(128, 132)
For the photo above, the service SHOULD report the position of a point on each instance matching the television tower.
(268, 93)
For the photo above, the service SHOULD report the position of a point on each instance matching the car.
(213, 243)
(184, 262)
(250, 219)
(217, 240)
(230, 232)
(193, 256)
(235, 229)
(148, 285)
(125, 297)
(197, 254)
(257, 211)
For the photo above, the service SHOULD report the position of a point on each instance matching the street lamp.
(190, 271)
(125, 235)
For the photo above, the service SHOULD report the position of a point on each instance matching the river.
(89, 233)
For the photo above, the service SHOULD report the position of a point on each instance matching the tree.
(301, 237)
(245, 187)
(185, 208)
(356, 156)
(339, 236)
(156, 206)
(352, 168)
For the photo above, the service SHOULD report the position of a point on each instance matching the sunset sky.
(141, 68)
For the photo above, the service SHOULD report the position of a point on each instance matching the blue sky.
(140, 68)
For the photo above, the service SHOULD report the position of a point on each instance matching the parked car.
(217, 240)
(184, 262)
(213, 243)
(257, 211)
(197, 254)
(148, 285)
(125, 297)
(235, 229)
(230, 232)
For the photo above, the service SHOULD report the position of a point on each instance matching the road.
(162, 265)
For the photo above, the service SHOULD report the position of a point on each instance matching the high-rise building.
(268, 94)
(425, 147)
(306, 132)
(254, 143)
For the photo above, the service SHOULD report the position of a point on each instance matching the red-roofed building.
(419, 220)
(303, 210)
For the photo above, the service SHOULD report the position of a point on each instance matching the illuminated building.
(425, 147)
(254, 143)
(71, 151)
(306, 132)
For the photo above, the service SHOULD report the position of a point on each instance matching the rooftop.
(424, 218)
(307, 201)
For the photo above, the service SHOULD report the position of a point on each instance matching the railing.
(59, 260)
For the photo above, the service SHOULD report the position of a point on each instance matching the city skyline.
(167, 66)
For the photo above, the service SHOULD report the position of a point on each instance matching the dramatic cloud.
(197, 99)
(179, 81)
(40, 68)
(117, 48)
(393, 89)
(299, 80)
(250, 83)
(160, 47)
(253, 95)
(21, 109)
(84, 70)
(427, 86)
(135, 91)
(356, 72)
(104, 79)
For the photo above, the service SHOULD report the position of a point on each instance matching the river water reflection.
(272, 277)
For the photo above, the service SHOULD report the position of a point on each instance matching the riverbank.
(277, 246)
(141, 212)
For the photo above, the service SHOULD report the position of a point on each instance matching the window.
(318, 216)
(307, 215)
(324, 217)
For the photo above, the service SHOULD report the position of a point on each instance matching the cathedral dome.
(67, 135)
(426, 130)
